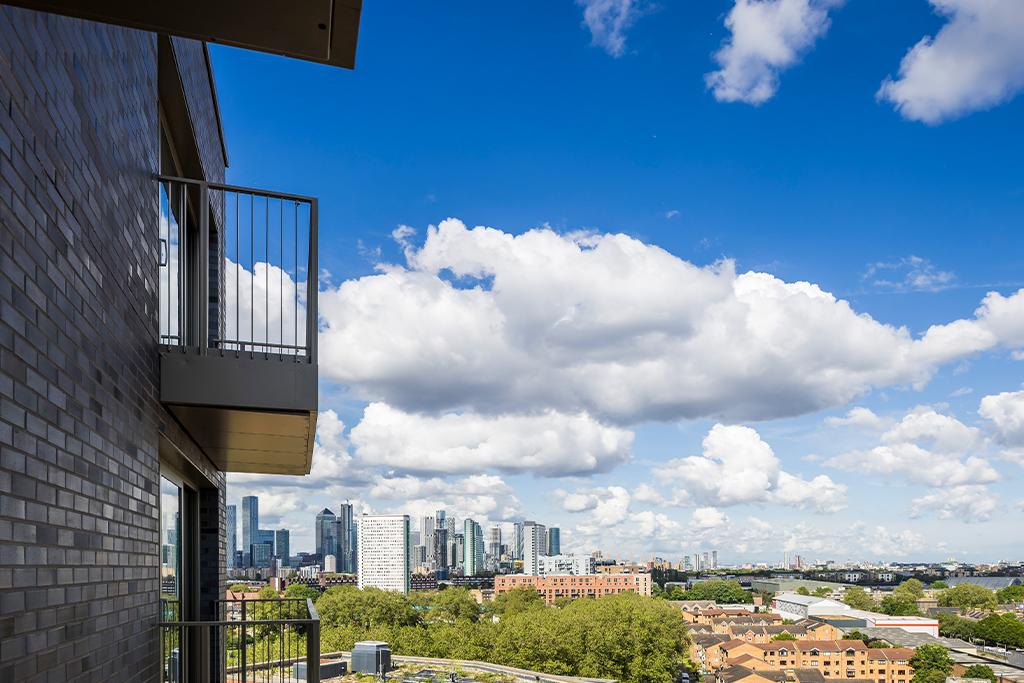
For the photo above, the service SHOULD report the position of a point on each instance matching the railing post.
(313, 645)
(312, 284)
(204, 268)
(242, 643)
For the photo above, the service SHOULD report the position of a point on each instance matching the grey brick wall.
(80, 416)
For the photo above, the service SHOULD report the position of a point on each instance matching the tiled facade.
(80, 416)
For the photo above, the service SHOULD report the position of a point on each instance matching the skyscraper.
(250, 520)
(494, 544)
(384, 552)
(326, 530)
(282, 546)
(554, 541)
(427, 539)
(346, 540)
(705, 561)
(517, 541)
(473, 544)
(714, 559)
(534, 545)
(232, 523)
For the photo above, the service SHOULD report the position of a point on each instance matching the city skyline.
(750, 319)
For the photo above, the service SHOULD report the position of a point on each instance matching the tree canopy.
(627, 637)
(719, 590)
(968, 596)
(521, 599)
(899, 605)
(980, 671)
(1010, 594)
(301, 590)
(931, 663)
(858, 598)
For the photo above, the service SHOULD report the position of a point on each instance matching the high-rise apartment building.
(427, 539)
(554, 541)
(535, 543)
(232, 535)
(346, 539)
(473, 558)
(326, 534)
(384, 552)
(282, 546)
(565, 565)
(494, 543)
(714, 559)
(517, 541)
(127, 393)
(250, 520)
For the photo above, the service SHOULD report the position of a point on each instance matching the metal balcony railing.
(253, 641)
(238, 270)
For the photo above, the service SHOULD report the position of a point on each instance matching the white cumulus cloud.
(975, 62)
(737, 467)
(549, 443)
(483, 320)
(971, 503)
(767, 37)
(925, 447)
(1006, 413)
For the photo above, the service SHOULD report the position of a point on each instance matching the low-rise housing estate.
(552, 588)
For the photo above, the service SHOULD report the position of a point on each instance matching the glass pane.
(170, 578)
(169, 272)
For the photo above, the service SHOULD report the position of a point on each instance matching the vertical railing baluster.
(295, 317)
(312, 285)
(242, 643)
(252, 280)
(280, 295)
(266, 278)
(238, 266)
(204, 267)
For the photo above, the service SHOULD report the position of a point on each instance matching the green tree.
(454, 604)
(980, 671)
(899, 605)
(802, 590)
(822, 591)
(627, 637)
(954, 626)
(1010, 594)
(521, 599)
(367, 608)
(785, 635)
(238, 588)
(301, 590)
(938, 585)
(858, 598)
(968, 596)
(931, 664)
(720, 591)
(910, 589)
(1004, 629)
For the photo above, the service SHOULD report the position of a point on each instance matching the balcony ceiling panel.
(247, 441)
(324, 31)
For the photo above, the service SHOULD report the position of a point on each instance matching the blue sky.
(527, 116)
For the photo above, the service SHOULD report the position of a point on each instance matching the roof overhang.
(324, 31)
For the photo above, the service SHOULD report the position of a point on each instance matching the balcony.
(261, 640)
(238, 312)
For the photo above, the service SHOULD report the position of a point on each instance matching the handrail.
(235, 188)
(201, 300)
